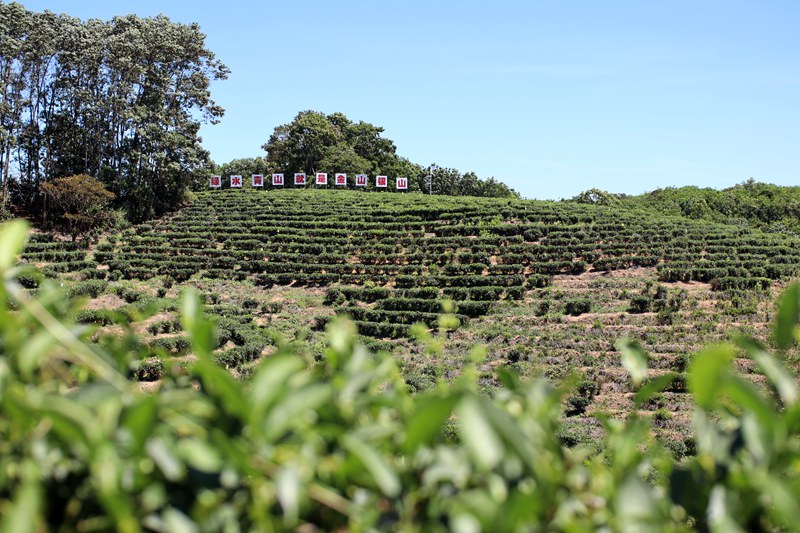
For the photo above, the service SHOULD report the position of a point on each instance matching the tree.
(343, 158)
(315, 142)
(122, 100)
(80, 201)
(596, 196)
(300, 145)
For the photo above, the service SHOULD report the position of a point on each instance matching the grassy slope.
(267, 261)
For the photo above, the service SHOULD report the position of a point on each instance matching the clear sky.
(550, 97)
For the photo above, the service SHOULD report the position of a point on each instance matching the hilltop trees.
(120, 100)
(315, 142)
(751, 204)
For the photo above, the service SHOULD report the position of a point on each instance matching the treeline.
(315, 142)
(120, 100)
(751, 204)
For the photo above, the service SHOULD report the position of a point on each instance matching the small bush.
(578, 306)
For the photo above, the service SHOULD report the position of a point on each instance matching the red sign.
(258, 180)
(381, 181)
(322, 178)
(236, 182)
(215, 182)
(299, 178)
(277, 180)
(341, 179)
(402, 184)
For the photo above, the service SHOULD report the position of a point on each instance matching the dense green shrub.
(577, 306)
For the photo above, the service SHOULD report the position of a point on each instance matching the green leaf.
(427, 420)
(220, 384)
(140, 418)
(787, 317)
(270, 379)
(166, 460)
(477, 433)
(297, 406)
(652, 387)
(199, 329)
(177, 522)
(386, 478)
(636, 506)
(508, 378)
(200, 454)
(708, 371)
(634, 359)
(747, 397)
(720, 509)
(26, 505)
(776, 372)
(12, 240)
(784, 501)
(288, 492)
(33, 351)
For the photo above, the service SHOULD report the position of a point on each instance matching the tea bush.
(343, 445)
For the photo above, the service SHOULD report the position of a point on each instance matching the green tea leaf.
(26, 506)
(634, 359)
(776, 372)
(477, 433)
(652, 387)
(269, 380)
(386, 478)
(296, 406)
(783, 499)
(427, 420)
(12, 239)
(200, 455)
(165, 458)
(787, 317)
(33, 351)
(288, 491)
(220, 384)
(199, 329)
(636, 506)
(708, 372)
(140, 418)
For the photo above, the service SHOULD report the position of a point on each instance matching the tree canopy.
(80, 201)
(121, 100)
(315, 142)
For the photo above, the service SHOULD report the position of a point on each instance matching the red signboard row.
(321, 178)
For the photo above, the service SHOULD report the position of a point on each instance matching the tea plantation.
(550, 289)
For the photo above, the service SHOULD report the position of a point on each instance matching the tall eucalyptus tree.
(122, 100)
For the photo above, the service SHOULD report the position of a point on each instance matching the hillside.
(765, 206)
(548, 287)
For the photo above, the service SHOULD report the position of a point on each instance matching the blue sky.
(551, 98)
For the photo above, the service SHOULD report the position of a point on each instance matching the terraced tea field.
(547, 287)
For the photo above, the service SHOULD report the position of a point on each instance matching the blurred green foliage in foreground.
(342, 445)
